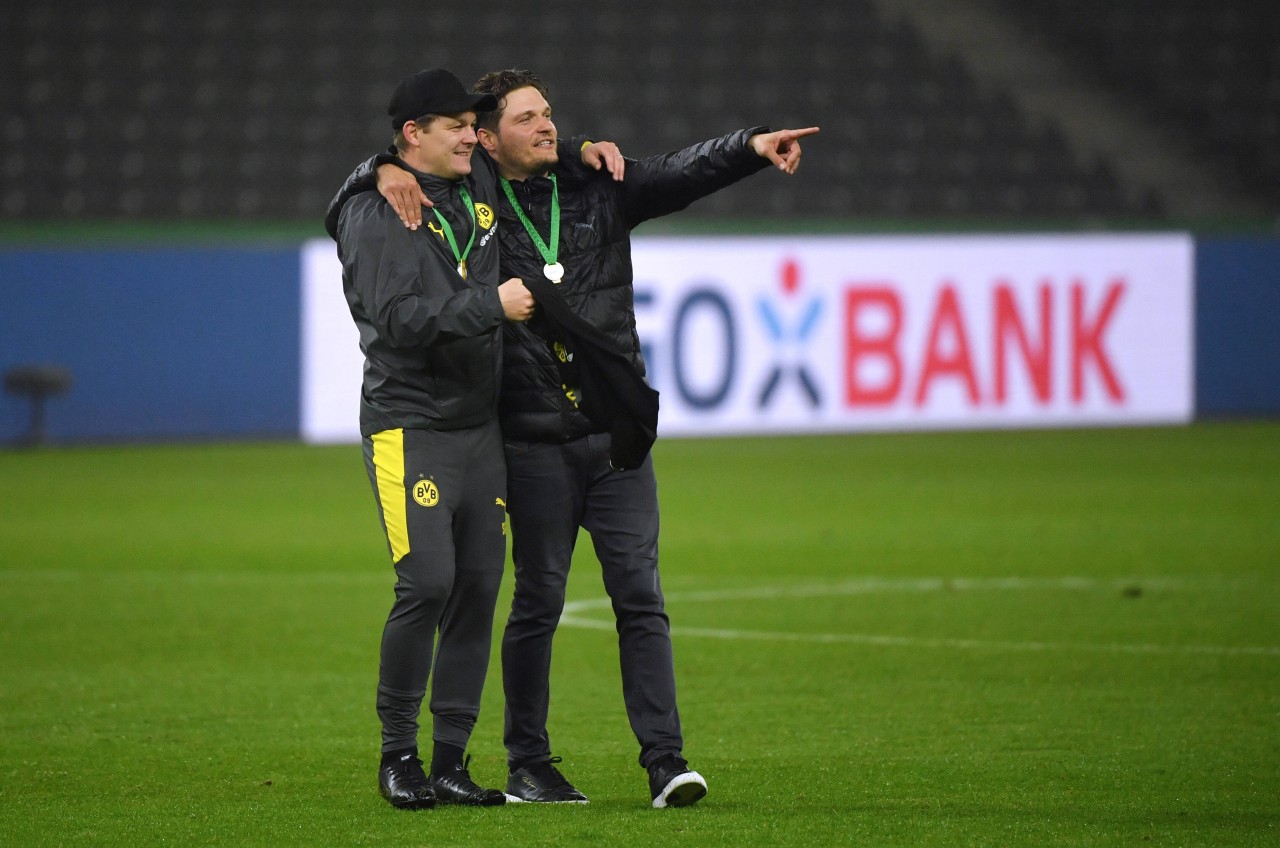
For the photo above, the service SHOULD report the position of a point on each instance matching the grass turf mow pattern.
(1020, 638)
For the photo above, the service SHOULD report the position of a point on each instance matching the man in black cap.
(578, 427)
(430, 311)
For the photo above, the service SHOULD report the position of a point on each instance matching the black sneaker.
(673, 784)
(405, 784)
(542, 783)
(457, 787)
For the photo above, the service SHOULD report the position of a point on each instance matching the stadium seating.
(150, 110)
(1211, 69)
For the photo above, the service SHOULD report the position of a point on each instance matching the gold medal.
(447, 231)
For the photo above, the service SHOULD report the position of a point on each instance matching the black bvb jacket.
(541, 398)
(431, 339)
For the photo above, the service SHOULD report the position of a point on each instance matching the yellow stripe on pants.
(388, 462)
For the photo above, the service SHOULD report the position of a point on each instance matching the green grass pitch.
(992, 638)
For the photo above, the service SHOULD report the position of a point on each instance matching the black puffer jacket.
(597, 215)
(540, 400)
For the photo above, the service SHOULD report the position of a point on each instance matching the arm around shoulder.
(363, 178)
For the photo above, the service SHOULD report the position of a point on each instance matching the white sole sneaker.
(512, 799)
(683, 790)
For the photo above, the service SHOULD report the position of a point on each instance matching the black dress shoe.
(405, 785)
(456, 787)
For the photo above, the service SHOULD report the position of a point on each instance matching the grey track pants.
(555, 489)
(441, 496)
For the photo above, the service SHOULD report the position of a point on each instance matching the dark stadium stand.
(1212, 69)
(143, 109)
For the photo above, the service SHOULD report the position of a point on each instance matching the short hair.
(500, 84)
(423, 122)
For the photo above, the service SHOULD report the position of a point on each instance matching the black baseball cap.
(434, 92)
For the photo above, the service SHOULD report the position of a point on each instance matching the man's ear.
(411, 131)
(488, 139)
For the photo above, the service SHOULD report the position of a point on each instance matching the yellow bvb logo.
(426, 493)
(484, 216)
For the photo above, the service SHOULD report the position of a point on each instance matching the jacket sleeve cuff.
(747, 135)
(571, 149)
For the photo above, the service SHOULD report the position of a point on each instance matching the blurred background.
(165, 168)
(934, 112)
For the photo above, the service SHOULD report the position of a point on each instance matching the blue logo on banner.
(784, 336)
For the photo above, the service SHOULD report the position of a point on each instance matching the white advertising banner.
(833, 334)
(332, 365)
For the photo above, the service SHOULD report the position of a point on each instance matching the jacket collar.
(430, 182)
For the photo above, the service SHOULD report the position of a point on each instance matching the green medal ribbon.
(461, 258)
(553, 270)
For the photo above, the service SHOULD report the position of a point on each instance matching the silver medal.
(553, 271)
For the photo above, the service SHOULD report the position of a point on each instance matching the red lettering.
(862, 348)
(1086, 342)
(1023, 337)
(947, 321)
(1008, 322)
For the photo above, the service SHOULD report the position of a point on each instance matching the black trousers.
(441, 496)
(555, 489)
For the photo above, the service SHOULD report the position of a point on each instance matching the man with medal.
(429, 308)
(569, 224)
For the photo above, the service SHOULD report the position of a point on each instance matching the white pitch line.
(572, 618)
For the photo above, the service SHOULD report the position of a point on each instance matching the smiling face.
(443, 146)
(524, 143)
